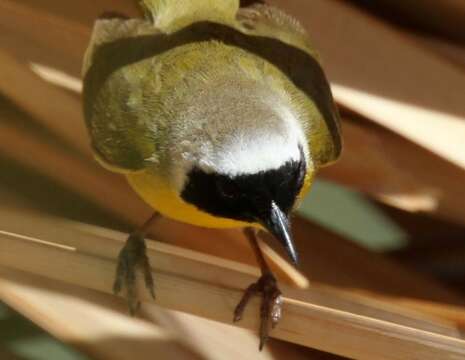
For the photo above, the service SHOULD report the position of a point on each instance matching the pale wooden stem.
(303, 323)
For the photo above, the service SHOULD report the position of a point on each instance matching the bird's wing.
(107, 30)
(116, 74)
(112, 90)
(300, 64)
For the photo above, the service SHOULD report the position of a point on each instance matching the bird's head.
(248, 169)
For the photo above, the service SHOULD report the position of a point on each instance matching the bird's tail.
(172, 15)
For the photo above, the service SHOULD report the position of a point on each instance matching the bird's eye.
(300, 174)
(228, 189)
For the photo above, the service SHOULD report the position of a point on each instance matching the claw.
(133, 256)
(251, 290)
(276, 309)
(271, 307)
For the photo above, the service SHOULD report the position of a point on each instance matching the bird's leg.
(132, 256)
(270, 311)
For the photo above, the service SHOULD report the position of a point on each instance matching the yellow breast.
(157, 193)
(155, 190)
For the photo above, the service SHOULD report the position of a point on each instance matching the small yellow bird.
(218, 116)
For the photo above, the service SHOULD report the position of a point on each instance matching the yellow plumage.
(217, 116)
(126, 138)
(158, 194)
(169, 15)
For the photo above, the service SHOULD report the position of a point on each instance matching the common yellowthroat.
(218, 116)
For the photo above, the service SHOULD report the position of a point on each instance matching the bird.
(218, 115)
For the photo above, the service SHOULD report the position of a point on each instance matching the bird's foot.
(132, 256)
(271, 307)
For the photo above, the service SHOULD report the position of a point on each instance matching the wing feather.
(119, 137)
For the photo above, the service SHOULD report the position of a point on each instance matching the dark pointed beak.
(277, 223)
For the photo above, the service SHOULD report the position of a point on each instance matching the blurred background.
(397, 69)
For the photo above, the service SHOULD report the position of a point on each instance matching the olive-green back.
(120, 71)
